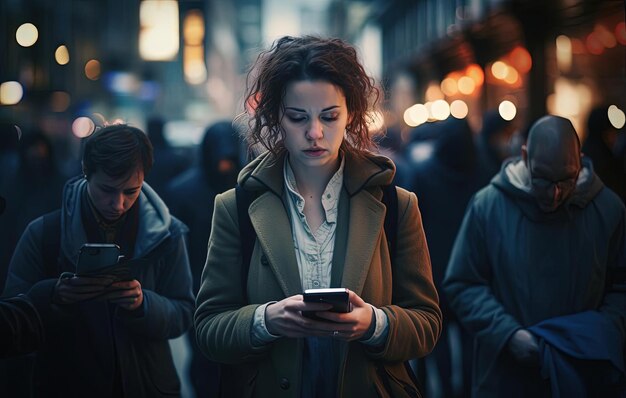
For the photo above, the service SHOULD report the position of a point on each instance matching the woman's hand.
(284, 318)
(350, 325)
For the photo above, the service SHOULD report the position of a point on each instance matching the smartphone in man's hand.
(95, 259)
(337, 297)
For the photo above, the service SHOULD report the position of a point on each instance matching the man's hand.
(75, 289)
(127, 294)
(284, 318)
(523, 346)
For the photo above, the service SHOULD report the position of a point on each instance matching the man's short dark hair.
(117, 151)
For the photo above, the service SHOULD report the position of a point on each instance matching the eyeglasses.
(563, 185)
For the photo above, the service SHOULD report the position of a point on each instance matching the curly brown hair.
(308, 58)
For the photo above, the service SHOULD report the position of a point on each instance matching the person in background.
(106, 337)
(444, 182)
(493, 143)
(599, 147)
(190, 197)
(168, 161)
(318, 220)
(37, 187)
(537, 274)
(21, 329)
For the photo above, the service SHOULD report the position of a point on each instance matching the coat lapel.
(271, 223)
(366, 223)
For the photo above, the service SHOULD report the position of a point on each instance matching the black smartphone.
(96, 259)
(338, 297)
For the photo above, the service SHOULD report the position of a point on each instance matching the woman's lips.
(315, 152)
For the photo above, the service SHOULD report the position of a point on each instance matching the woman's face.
(313, 121)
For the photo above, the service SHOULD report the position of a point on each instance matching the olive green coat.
(361, 263)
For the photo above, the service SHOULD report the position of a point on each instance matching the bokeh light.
(440, 109)
(83, 127)
(449, 86)
(521, 59)
(26, 35)
(466, 85)
(616, 117)
(594, 44)
(61, 55)
(159, 31)
(511, 75)
(11, 93)
(415, 115)
(476, 73)
(499, 70)
(433, 92)
(605, 36)
(193, 28)
(507, 110)
(92, 69)
(564, 53)
(459, 109)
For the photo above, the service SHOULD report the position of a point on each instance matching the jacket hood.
(154, 220)
(220, 142)
(454, 146)
(266, 172)
(514, 181)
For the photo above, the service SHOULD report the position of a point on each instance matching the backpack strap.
(247, 235)
(390, 200)
(51, 245)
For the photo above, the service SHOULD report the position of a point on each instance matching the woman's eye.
(296, 119)
(329, 118)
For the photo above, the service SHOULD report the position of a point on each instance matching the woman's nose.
(315, 131)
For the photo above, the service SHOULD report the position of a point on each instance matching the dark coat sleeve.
(21, 329)
(167, 309)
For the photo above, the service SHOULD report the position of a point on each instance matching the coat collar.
(266, 172)
(359, 206)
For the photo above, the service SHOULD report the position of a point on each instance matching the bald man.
(532, 272)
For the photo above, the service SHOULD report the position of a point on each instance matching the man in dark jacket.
(537, 243)
(106, 337)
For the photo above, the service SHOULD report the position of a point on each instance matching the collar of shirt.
(330, 197)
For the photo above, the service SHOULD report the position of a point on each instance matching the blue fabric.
(589, 336)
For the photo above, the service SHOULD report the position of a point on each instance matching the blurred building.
(526, 58)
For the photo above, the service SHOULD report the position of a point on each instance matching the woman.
(318, 218)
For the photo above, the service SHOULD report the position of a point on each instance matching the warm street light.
(26, 35)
